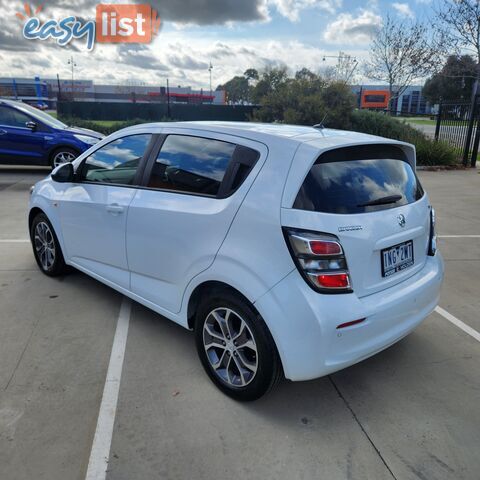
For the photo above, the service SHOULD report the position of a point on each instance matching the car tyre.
(235, 347)
(46, 248)
(62, 155)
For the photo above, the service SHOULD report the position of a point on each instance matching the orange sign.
(126, 23)
(377, 99)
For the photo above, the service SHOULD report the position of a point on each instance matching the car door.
(177, 223)
(19, 144)
(94, 209)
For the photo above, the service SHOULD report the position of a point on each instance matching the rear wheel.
(46, 247)
(63, 155)
(235, 347)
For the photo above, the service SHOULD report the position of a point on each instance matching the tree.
(237, 90)
(305, 99)
(459, 21)
(269, 81)
(453, 82)
(402, 52)
(345, 68)
(251, 74)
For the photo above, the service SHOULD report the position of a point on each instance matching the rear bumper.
(304, 323)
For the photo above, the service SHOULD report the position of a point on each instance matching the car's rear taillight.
(320, 259)
(432, 243)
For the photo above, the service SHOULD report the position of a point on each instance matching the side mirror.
(31, 125)
(64, 173)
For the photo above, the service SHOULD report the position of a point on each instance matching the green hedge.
(429, 151)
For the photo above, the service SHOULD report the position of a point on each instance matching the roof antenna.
(320, 125)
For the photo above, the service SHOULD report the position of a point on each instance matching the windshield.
(42, 116)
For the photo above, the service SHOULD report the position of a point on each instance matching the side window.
(116, 162)
(191, 164)
(13, 118)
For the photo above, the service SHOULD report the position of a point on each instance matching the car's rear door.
(369, 197)
(94, 209)
(176, 224)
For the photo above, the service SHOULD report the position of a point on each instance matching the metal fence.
(458, 124)
(154, 111)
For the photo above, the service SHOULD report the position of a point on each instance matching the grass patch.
(421, 121)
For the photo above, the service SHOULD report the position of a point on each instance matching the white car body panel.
(172, 237)
(94, 219)
(164, 245)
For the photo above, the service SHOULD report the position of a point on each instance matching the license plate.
(397, 258)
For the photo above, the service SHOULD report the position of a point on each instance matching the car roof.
(12, 103)
(265, 131)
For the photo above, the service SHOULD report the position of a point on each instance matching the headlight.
(86, 139)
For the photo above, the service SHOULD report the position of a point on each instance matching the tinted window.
(347, 186)
(191, 164)
(116, 162)
(42, 116)
(13, 118)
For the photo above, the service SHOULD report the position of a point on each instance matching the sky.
(231, 34)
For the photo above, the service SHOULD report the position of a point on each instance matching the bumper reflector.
(349, 324)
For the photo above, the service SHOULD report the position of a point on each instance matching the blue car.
(29, 136)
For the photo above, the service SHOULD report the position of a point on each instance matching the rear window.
(359, 180)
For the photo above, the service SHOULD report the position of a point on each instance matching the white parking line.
(473, 333)
(458, 236)
(100, 453)
(14, 240)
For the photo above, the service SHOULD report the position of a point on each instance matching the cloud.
(191, 12)
(139, 56)
(220, 50)
(291, 8)
(187, 62)
(351, 29)
(14, 43)
(403, 9)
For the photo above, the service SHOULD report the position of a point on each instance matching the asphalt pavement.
(410, 412)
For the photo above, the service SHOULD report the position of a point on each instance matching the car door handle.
(3, 132)
(115, 209)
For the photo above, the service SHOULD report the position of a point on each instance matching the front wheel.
(46, 247)
(62, 155)
(235, 347)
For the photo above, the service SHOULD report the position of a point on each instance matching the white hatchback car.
(288, 250)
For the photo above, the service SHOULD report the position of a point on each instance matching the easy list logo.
(114, 23)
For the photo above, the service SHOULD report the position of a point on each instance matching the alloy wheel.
(44, 245)
(230, 347)
(63, 157)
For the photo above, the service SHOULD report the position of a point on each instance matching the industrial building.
(377, 97)
(45, 93)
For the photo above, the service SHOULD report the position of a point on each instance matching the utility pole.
(347, 61)
(72, 63)
(210, 68)
(168, 100)
(59, 94)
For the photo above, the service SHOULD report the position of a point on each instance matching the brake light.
(333, 280)
(432, 243)
(320, 259)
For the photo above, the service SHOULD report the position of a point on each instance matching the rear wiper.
(382, 201)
